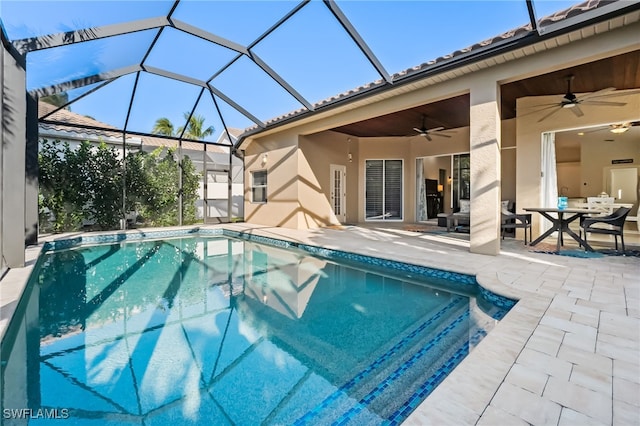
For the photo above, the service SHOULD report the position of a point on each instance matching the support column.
(205, 184)
(485, 167)
(180, 193)
(3, 265)
(230, 187)
(13, 140)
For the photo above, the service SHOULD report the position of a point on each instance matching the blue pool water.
(214, 330)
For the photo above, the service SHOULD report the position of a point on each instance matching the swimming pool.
(234, 329)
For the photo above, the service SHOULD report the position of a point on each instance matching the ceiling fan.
(572, 102)
(616, 127)
(427, 133)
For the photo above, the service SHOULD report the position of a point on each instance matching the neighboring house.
(214, 164)
(362, 161)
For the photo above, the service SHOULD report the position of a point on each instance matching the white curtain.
(421, 192)
(549, 184)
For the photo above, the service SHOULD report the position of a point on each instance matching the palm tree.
(195, 128)
(57, 99)
(163, 126)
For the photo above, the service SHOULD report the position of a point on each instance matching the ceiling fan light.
(618, 130)
(568, 105)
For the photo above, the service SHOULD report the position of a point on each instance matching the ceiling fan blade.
(435, 129)
(426, 135)
(418, 130)
(577, 111)
(614, 94)
(441, 135)
(597, 93)
(605, 103)
(541, 105)
(544, 117)
(556, 105)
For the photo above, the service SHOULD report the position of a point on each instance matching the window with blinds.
(383, 190)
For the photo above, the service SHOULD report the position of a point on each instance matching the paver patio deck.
(568, 353)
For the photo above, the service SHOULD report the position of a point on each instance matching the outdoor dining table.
(561, 224)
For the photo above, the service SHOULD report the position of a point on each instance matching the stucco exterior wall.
(317, 153)
(278, 155)
(13, 139)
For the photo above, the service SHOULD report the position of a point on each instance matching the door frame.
(342, 169)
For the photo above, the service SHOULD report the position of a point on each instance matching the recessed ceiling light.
(619, 129)
(580, 133)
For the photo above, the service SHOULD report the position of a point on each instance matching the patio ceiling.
(256, 65)
(619, 71)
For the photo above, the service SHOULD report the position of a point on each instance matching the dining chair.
(511, 220)
(517, 220)
(613, 225)
(600, 205)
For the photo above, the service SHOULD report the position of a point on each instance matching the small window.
(259, 186)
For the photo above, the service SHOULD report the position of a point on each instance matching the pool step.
(396, 381)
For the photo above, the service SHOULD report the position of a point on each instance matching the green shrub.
(85, 186)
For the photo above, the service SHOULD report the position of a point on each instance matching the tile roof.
(574, 10)
(192, 146)
(65, 116)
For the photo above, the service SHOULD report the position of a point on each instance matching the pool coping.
(523, 371)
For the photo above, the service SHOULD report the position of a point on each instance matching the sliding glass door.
(383, 190)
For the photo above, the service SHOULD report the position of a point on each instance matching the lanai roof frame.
(87, 34)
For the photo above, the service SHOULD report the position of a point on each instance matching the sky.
(310, 51)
